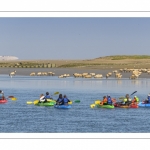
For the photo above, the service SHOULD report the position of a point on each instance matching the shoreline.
(71, 71)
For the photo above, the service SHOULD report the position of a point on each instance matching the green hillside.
(120, 57)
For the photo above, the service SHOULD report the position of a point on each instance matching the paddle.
(12, 98)
(55, 93)
(75, 101)
(92, 105)
(130, 95)
(36, 101)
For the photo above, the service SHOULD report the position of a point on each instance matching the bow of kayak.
(126, 106)
(141, 104)
(45, 104)
(3, 101)
(62, 106)
(104, 106)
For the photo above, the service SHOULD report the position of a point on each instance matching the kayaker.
(42, 98)
(127, 100)
(148, 99)
(47, 96)
(109, 100)
(2, 95)
(135, 100)
(59, 100)
(104, 101)
(65, 100)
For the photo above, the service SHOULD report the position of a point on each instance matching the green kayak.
(105, 106)
(46, 104)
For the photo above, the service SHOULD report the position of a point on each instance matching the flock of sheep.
(135, 73)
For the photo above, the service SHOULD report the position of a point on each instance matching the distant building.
(8, 58)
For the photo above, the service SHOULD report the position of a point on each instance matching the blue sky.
(74, 38)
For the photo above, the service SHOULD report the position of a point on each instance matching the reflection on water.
(17, 115)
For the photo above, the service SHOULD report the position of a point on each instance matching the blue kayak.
(62, 106)
(141, 104)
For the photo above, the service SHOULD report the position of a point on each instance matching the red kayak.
(126, 106)
(2, 101)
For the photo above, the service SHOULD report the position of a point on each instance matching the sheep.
(32, 74)
(98, 76)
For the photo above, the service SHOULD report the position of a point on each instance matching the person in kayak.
(59, 100)
(109, 100)
(65, 100)
(148, 99)
(2, 97)
(135, 100)
(127, 100)
(47, 96)
(42, 98)
(104, 101)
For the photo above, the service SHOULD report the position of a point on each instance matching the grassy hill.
(120, 57)
(116, 61)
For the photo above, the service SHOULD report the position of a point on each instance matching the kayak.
(141, 104)
(45, 104)
(62, 106)
(126, 106)
(105, 106)
(3, 101)
(51, 100)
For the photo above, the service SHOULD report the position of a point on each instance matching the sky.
(73, 38)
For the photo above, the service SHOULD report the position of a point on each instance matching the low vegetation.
(116, 61)
(120, 57)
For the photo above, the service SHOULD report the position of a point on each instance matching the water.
(19, 117)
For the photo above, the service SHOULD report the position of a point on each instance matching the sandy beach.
(71, 71)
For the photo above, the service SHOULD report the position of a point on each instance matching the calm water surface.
(19, 117)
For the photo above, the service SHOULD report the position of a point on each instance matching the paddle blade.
(70, 102)
(97, 102)
(36, 102)
(56, 93)
(77, 101)
(29, 102)
(92, 105)
(14, 98)
(51, 100)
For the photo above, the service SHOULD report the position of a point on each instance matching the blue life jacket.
(148, 99)
(59, 100)
(47, 97)
(1, 96)
(109, 101)
(65, 100)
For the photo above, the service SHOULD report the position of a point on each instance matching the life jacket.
(109, 101)
(47, 97)
(65, 100)
(1, 96)
(126, 100)
(59, 99)
(136, 99)
(148, 99)
(104, 101)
